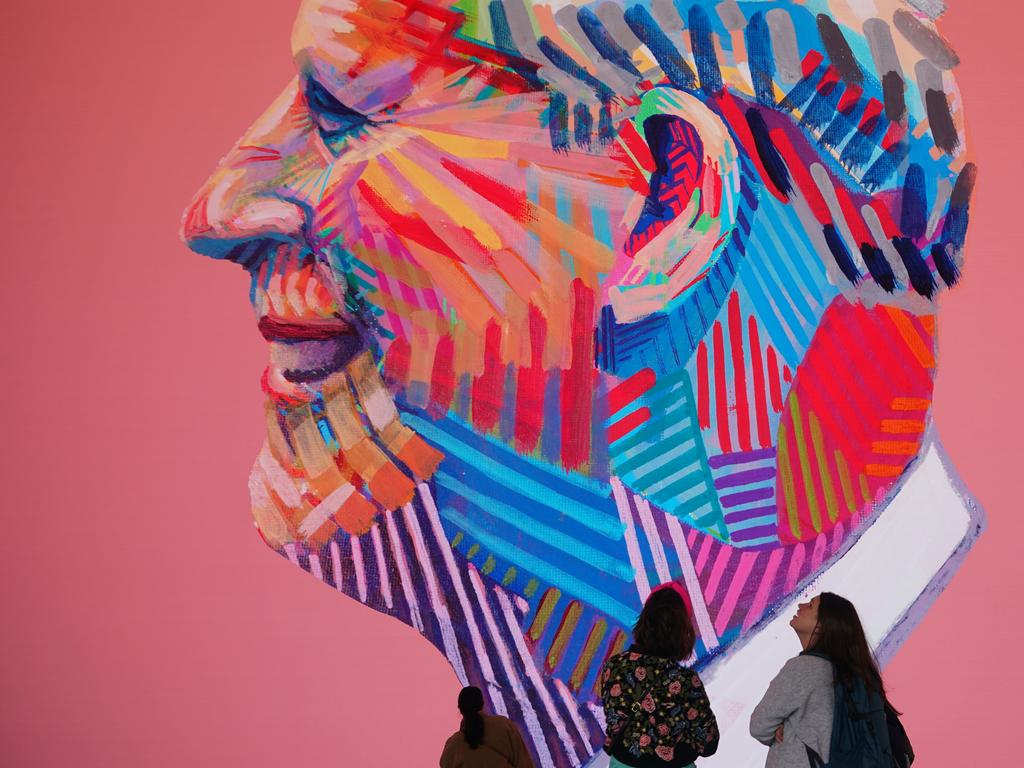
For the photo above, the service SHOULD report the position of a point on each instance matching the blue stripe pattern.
(747, 481)
(784, 280)
(563, 529)
(663, 458)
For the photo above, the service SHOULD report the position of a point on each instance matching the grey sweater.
(800, 698)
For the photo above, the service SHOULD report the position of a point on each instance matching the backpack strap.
(813, 758)
(899, 742)
(853, 712)
(816, 653)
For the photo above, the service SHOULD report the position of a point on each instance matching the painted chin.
(299, 368)
(306, 362)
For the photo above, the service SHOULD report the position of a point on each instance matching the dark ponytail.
(471, 701)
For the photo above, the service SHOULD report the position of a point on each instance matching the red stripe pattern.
(745, 406)
(855, 415)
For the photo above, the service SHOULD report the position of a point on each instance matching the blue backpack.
(861, 731)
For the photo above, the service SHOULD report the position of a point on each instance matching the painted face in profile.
(564, 301)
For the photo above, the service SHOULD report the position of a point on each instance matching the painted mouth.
(292, 331)
(308, 350)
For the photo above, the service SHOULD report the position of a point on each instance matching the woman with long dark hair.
(795, 717)
(484, 741)
(656, 709)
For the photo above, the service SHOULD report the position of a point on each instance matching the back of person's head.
(840, 636)
(471, 701)
(664, 628)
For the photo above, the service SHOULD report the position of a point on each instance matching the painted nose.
(236, 230)
(248, 202)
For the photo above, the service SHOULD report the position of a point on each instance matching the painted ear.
(688, 216)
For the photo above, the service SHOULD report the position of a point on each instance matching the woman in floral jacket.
(657, 711)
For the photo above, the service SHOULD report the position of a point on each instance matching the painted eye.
(333, 119)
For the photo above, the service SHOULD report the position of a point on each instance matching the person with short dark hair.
(796, 715)
(484, 741)
(656, 710)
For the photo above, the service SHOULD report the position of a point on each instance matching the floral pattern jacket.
(657, 712)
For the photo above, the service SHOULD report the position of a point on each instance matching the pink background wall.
(143, 621)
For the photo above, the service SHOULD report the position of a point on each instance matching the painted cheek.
(337, 218)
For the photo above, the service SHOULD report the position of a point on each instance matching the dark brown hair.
(664, 628)
(471, 701)
(840, 637)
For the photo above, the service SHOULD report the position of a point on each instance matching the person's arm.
(702, 727)
(783, 697)
(616, 708)
(448, 755)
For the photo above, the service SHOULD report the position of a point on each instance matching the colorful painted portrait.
(564, 301)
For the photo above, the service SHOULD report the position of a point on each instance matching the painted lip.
(277, 329)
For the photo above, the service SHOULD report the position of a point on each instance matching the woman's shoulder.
(810, 658)
(628, 656)
(454, 740)
(633, 657)
(631, 661)
(621, 661)
(499, 722)
(682, 670)
(808, 664)
(682, 678)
